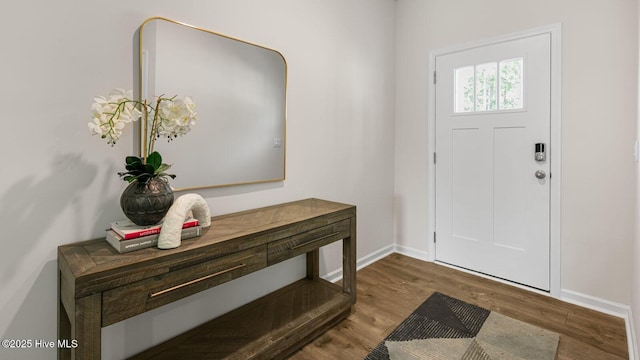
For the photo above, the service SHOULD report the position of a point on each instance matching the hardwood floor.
(390, 289)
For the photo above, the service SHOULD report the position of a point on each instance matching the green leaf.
(162, 168)
(131, 160)
(138, 170)
(154, 159)
(149, 169)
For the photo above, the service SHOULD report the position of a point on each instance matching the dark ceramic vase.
(147, 203)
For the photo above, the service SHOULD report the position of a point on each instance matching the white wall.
(59, 185)
(599, 77)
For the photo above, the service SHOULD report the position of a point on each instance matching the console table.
(100, 287)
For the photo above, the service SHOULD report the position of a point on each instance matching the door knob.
(541, 174)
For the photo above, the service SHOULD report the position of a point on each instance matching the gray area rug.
(446, 328)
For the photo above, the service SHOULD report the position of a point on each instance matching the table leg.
(349, 262)
(86, 328)
(313, 264)
(64, 331)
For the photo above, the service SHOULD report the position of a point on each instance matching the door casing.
(555, 152)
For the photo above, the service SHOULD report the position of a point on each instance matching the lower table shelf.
(271, 327)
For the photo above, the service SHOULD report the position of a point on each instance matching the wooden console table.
(100, 287)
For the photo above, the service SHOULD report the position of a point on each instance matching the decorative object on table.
(170, 231)
(148, 197)
(146, 203)
(447, 328)
(126, 245)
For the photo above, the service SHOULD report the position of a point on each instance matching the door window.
(492, 86)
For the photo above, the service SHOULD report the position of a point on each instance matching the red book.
(128, 230)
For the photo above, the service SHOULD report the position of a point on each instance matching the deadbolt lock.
(540, 154)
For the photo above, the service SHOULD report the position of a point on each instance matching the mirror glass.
(239, 90)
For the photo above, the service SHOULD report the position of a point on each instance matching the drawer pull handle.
(314, 240)
(157, 293)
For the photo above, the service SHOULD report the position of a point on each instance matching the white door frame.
(554, 151)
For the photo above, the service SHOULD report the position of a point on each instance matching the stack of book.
(126, 236)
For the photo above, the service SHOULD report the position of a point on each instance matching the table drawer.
(284, 249)
(135, 298)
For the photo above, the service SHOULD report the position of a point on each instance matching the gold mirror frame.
(278, 142)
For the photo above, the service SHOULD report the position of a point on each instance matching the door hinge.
(434, 237)
(435, 157)
(434, 76)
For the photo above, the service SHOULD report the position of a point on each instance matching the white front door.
(492, 194)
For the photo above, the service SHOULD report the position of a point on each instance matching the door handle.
(541, 174)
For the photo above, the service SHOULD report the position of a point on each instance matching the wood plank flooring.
(391, 288)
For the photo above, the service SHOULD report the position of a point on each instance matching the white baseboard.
(414, 253)
(631, 336)
(336, 275)
(607, 307)
(594, 303)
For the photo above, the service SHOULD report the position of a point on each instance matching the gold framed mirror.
(240, 91)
